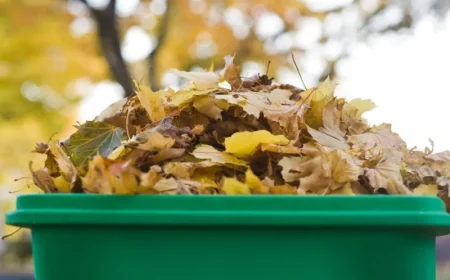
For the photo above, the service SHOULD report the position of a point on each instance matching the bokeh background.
(63, 61)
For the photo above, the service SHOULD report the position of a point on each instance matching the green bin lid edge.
(245, 210)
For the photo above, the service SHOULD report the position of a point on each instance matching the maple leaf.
(151, 101)
(353, 110)
(386, 174)
(245, 143)
(327, 170)
(381, 135)
(92, 138)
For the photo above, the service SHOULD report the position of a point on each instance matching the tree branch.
(109, 40)
(152, 57)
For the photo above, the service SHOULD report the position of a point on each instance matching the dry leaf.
(152, 102)
(42, 179)
(199, 80)
(386, 175)
(377, 136)
(216, 156)
(151, 141)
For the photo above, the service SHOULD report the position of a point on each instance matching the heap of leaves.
(223, 134)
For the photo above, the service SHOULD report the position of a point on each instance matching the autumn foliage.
(225, 134)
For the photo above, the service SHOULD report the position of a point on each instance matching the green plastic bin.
(158, 237)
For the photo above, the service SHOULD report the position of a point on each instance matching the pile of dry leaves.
(223, 134)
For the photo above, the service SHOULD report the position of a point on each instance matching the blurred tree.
(195, 33)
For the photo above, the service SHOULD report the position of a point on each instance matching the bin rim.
(405, 211)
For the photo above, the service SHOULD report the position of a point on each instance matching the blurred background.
(63, 61)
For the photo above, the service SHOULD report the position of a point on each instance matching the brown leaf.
(231, 73)
(386, 175)
(42, 179)
(377, 136)
(41, 148)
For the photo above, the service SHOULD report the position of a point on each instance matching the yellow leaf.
(152, 102)
(118, 152)
(65, 164)
(95, 180)
(245, 143)
(210, 153)
(123, 178)
(207, 185)
(151, 141)
(423, 189)
(233, 186)
(255, 183)
(149, 179)
(184, 97)
(62, 184)
(353, 110)
(317, 98)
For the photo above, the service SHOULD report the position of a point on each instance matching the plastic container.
(79, 236)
